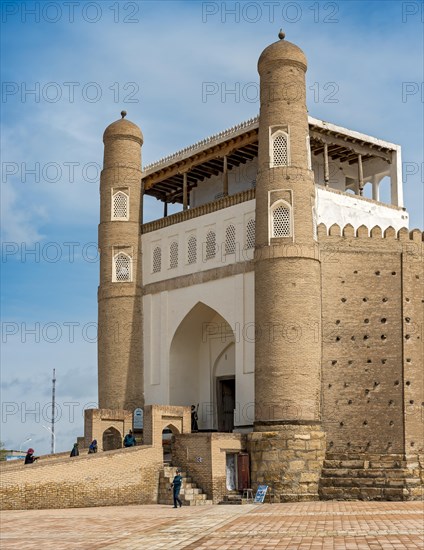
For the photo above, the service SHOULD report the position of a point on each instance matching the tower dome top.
(123, 128)
(282, 52)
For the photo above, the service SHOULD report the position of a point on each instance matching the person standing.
(194, 418)
(75, 450)
(30, 458)
(176, 488)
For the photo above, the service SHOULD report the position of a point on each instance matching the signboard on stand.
(261, 493)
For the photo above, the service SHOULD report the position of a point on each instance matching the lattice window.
(250, 234)
(120, 206)
(280, 156)
(210, 245)
(157, 259)
(230, 240)
(192, 250)
(122, 268)
(281, 221)
(173, 255)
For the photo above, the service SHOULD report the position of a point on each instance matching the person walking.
(75, 450)
(30, 458)
(176, 488)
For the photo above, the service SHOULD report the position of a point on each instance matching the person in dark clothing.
(93, 447)
(30, 458)
(194, 419)
(129, 440)
(75, 450)
(176, 488)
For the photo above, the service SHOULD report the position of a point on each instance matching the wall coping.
(50, 461)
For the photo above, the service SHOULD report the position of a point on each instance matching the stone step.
(365, 464)
(368, 493)
(199, 502)
(190, 491)
(200, 496)
(363, 456)
(190, 494)
(365, 473)
(378, 482)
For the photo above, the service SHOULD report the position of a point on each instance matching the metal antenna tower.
(53, 409)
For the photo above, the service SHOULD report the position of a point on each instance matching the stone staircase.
(368, 477)
(190, 494)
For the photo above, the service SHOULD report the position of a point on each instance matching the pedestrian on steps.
(176, 488)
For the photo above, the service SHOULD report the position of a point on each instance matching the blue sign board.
(260, 493)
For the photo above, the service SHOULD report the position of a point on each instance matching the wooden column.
(185, 194)
(326, 169)
(165, 208)
(375, 188)
(360, 176)
(225, 177)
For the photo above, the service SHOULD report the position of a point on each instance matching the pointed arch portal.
(202, 367)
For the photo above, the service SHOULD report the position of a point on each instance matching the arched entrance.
(112, 439)
(202, 367)
(167, 434)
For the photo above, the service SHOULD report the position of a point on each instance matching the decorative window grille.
(122, 268)
(173, 255)
(250, 234)
(280, 155)
(157, 259)
(230, 240)
(281, 221)
(210, 245)
(120, 206)
(192, 250)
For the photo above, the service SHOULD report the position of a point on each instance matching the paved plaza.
(314, 525)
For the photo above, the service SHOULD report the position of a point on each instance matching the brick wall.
(123, 476)
(210, 472)
(372, 340)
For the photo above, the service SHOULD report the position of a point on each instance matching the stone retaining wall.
(123, 476)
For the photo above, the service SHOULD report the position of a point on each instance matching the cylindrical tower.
(287, 282)
(120, 343)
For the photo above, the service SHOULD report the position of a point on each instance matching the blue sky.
(153, 59)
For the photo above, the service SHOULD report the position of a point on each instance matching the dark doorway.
(112, 439)
(226, 403)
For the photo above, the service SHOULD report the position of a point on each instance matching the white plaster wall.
(233, 299)
(237, 215)
(343, 209)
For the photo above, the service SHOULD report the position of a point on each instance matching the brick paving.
(305, 526)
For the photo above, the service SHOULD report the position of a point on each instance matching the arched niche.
(112, 439)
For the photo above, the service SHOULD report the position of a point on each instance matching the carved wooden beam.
(201, 157)
(355, 147)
